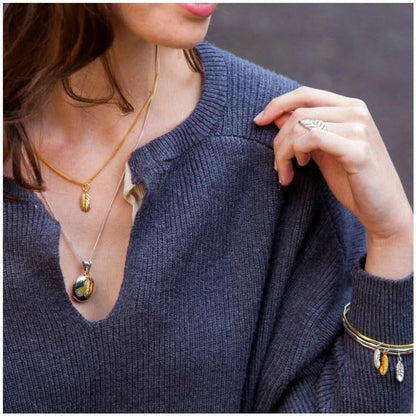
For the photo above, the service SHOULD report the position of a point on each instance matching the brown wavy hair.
(45, 44)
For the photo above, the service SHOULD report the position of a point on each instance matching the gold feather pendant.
(85, 201)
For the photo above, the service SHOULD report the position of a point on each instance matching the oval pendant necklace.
(84, 285)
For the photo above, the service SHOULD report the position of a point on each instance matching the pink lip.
(199, 9)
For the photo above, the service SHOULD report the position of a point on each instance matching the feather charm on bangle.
(376, 358)
(399, 369)
(384, 364)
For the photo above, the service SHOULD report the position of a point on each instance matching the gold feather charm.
(384, 364)
(399, 370)
(85, 201)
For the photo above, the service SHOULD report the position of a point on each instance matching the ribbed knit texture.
(233, 287)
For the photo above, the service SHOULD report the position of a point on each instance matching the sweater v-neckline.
(148, 164)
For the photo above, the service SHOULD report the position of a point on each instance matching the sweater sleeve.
(310, 364)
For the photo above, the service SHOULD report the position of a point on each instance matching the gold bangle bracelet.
(373, 341)
(381, 349)
(379, 346)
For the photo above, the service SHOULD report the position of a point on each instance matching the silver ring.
(313, 124)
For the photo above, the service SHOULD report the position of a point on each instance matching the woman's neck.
(133, 63)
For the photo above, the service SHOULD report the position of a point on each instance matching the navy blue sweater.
(233, 288)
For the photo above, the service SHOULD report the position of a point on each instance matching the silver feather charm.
(313, 124)
(399, 369)
(376, 358)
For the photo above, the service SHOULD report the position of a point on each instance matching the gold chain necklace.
(83, 287)
(85, 199)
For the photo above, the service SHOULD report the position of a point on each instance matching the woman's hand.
(354, 161)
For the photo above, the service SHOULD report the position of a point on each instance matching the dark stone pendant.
(84, 285)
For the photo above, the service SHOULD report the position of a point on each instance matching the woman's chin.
(169, 25)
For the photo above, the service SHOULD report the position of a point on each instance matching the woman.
(226, 294)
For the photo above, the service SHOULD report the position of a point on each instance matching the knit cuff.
(381, 308)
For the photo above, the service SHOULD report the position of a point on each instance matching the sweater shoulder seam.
(240, 136)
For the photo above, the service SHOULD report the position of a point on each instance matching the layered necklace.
(85, 199)
(83, 286)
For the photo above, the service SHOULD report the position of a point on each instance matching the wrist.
(391, 256)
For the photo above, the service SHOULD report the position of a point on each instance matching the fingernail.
(275, 165)
(259, 116)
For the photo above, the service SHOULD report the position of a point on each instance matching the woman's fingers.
(351, 154)
(281, 121)
(333, 116)
(304, 97)
(353, 131)
(303, 158)
(308, 142)
(327, 114)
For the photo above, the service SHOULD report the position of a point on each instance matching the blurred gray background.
(357, 50)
